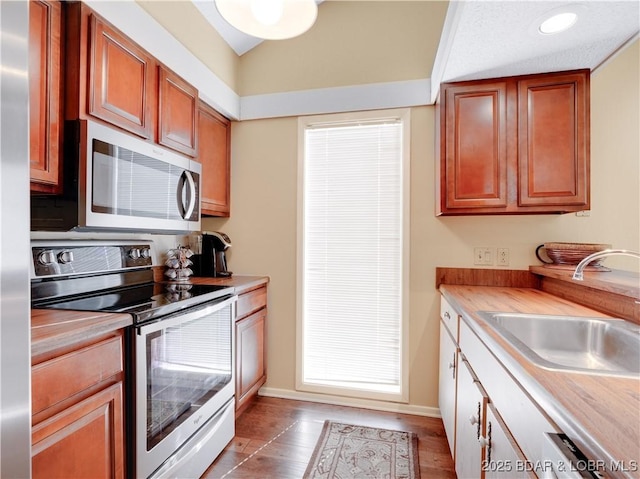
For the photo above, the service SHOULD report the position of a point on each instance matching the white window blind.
(352, 258)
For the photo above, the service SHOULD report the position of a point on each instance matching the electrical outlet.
(502, 257)
(482, 256)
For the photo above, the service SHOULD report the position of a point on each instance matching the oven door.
(184, 374)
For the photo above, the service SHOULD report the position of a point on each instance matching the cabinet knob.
(447, 315)
(452, 366)
(473, 419)
(484, 442)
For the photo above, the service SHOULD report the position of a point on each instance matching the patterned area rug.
(357, 452)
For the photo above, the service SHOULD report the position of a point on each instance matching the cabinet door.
(470, 414)
(503, 459)
(474, 170)
(214, 135)
(251, 372)
(447, 385)
(177, 110)
(45, 90)
(121, 80)
(85, 440)
(553, 139)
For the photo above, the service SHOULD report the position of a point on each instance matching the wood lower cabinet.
(84, 440)
(45, 95)
(77, 410)
(251, 366)
(214, 137)
(515, 145)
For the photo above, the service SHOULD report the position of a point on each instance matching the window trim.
(404, 115)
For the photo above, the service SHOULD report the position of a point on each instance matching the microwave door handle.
(187, 179)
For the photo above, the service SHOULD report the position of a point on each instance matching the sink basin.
(578, 344)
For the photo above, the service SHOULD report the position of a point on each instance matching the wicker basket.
(571, 253)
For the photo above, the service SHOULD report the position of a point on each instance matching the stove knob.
(145, 253)
(65, 257)
(134, 253)
(46, 258)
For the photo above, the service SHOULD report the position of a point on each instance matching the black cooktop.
(110, 276)
(144, 302)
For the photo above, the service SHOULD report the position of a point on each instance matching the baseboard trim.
(353, 402)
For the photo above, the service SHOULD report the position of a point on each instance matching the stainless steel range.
(180, 361)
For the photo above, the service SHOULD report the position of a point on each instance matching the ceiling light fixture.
(558, 23)
(269, 19)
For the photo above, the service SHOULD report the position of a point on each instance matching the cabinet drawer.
(69, 374)
(449, 317)
(251, 302)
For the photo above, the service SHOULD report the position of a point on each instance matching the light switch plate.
(482, 256)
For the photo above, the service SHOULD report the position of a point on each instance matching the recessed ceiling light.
(558, 23)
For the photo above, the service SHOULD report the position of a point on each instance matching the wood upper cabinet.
(515, 145)
(214, 136)
(553, 141)
(121, 80)
(77, 410)
(476, 146)
(177, 113)
(110, 77)
(45, 95)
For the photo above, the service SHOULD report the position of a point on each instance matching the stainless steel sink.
(579, 344)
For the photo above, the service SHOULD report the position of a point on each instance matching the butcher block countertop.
(600, 413)
(57, 328)
(53, 329)
(241, 284)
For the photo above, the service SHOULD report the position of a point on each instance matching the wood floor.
(276, 437)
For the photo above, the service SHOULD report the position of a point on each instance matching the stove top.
(110, 277)
(144, 302)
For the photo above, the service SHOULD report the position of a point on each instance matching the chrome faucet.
(578, 276)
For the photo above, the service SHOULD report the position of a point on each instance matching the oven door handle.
(188, 315)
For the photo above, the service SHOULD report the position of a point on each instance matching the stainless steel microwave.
(115, 181)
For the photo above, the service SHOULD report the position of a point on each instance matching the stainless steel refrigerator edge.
(15, 349)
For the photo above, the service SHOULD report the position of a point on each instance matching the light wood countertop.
(57, 328)
(625, 283)
(600, 413)
(241, 284)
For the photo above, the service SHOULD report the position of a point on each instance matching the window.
(353, 255)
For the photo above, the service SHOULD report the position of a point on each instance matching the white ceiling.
(500, 38)
(489, 38)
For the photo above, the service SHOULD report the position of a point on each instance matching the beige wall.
(263, 223)
(185, 22)
(351, 43)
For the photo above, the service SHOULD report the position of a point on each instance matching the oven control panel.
(85, 257)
